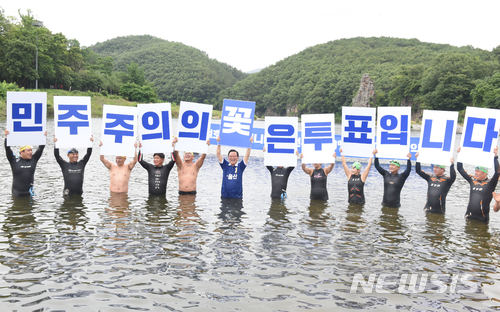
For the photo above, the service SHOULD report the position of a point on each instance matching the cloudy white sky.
(255, 34)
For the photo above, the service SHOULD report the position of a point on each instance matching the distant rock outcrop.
(366, 93)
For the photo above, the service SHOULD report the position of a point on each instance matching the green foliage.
(323, 78)
(179, 72)
(137, 93)
(4, 87)
(487, 92)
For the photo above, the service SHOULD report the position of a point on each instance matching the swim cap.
(440, 166)
(395, 162)
(22, 148)
(73, 150)
(189, 153)
(356, 165)
(483, 169)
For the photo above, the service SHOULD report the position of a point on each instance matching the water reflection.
(231, 211)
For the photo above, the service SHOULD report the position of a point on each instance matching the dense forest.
(320, 79)
(323, 78)
(179, 72)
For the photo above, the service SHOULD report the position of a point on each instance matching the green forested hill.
(179, 72)
(325, 77)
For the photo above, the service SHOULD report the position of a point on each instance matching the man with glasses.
(232, 178)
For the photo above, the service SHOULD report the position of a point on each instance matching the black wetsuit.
(279, 180)
(437, 189)
(73, 172)
(480, 193)
(318, 185)
(356, 190)
(157, 176)
(393, 183)
(23, 171)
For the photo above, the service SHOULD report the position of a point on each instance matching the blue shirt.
(232, 179)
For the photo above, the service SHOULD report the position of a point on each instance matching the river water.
(195, 253)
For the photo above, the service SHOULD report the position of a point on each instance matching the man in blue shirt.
(232, 171)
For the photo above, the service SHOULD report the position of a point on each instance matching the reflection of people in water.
(73, 171)
(481, 189)
(187, 218)
(119, 173)
(438, 186)
(187, 170)
(318, 179)
(356, 180)
(231, 212)
(23, 167)
(393, 181)
(118, 205)
(72, 213)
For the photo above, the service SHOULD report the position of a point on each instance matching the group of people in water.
(481, 187)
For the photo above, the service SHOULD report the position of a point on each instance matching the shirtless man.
(119, 173)
(187, 170)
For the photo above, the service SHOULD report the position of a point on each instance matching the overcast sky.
(255, 34)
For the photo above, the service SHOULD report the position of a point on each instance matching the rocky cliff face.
(366, 93)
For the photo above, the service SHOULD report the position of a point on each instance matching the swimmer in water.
(73, 171)
(23, 167)
(438, 186)
(119, 173)
(356, 180)
(318, 179)
(393, 180)
(481, 189)
(279, 179)
(188, 170)
(157, 172)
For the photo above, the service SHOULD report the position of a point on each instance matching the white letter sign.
(72, 121)
(281, 141)
(26, 118)
(118, 126)
(155, 128)
(318, 138)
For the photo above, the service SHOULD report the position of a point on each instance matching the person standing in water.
(438, 186)
(356, 180)
(318, 179)
(393, 181)
(481, 189)
(73, 171)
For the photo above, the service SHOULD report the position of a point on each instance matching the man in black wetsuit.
(23, 167)
(157, 172)
(393, 181)
(438, 186)
(73, 171)
(279, 179)
(318, 179)
(481, 189)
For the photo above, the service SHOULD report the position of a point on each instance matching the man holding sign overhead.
(393, 180)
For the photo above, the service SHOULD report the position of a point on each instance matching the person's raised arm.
(344, 164)
(309, 171)
(106, 162)
(247, 154)
(218, 151)
(379, 168)
(56, 153)
(330, 167)
(365, 173)
(39, 150)
(8, 150)
(89, 152)
(201, 160)
(460, 168)
(453, 173)
(131, 164)
(418, 169)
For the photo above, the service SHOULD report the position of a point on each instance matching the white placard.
(281, 141)
(480, 136)
(318, 138)
(72, 121)
(358, 131)
(26, 118)
(437, 137)
(393, 132)
(193, 126)
(118, 130)
(155, 128)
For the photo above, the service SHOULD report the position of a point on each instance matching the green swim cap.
(395, 162)
(440, 166)
(356, 165)
(483, 169)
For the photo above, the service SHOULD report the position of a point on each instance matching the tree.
(136, 74)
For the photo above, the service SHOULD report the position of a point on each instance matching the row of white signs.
(26, 121)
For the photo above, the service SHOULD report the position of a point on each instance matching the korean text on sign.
(318, 138)
(72, 121)
(358, 131)
(193, 127)
(393, 132)
(237, 123)
(155, 127)
(26, 118)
